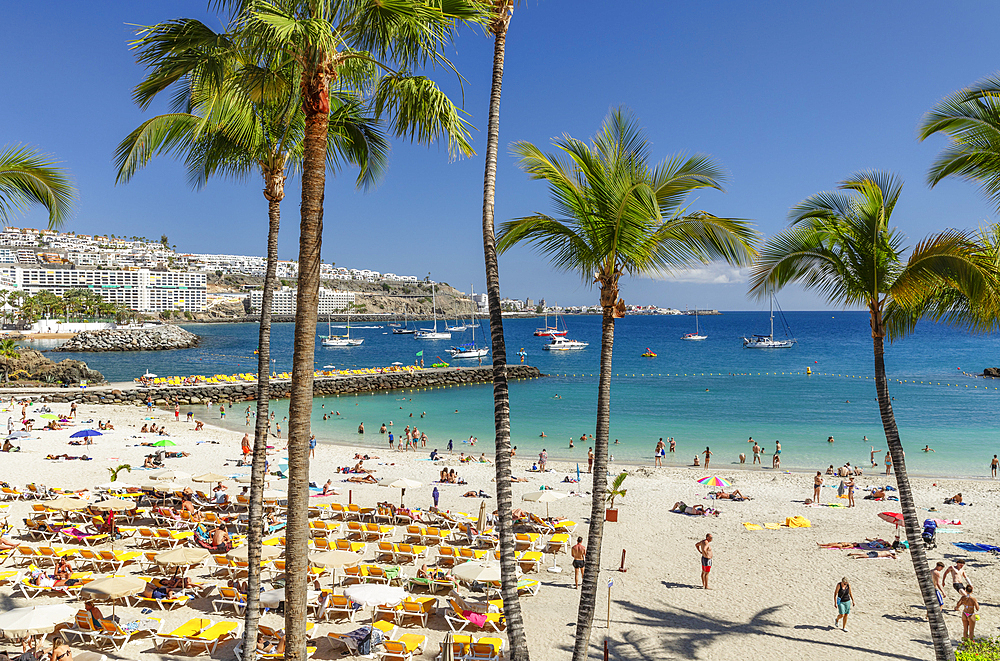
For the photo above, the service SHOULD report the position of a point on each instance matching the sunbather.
(162, 592)
(836, 545)
(270, 645)
(872, 554)
(954, 500)
(732, 495)
(367, 479)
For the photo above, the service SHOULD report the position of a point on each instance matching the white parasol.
(483, 572)
(266, 552)
(209, 477)
(373, 594)
(114, 504)
(182, 556)
(169, 475)
(34, 620)
(402, 483)
(547, 496)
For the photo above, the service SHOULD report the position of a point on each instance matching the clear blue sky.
(791, 97)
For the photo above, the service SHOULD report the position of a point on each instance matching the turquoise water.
(712, 393)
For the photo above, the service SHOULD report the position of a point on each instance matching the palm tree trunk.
(939, 630)
(591, 572)
(501, 402)
(255, 514)
(317, 111)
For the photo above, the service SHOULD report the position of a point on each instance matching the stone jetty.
(338, 385)
(155, 338)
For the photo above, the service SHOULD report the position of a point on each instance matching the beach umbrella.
(113, 587)
(114, 505)
(402, 483)
(481, 522)
(166, 486)
(374, 594)
(209, 477)
(67, 504)
(547, 496)
(333, 560)
(169, 475)
(182, 556)
(715, 481)
(895, 518)
(266, 553)
(396, 364)
(85, 433)
(483, 572)
(116, 485)
(18, 434)
(34, 620)
(165, 443)
(49, 416)
(448, 648)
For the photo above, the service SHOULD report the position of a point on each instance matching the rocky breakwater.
(339, 385)
(155, 338)
(31, 368)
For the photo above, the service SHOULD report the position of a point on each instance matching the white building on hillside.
(331, 301)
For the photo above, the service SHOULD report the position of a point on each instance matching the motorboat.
(432, 333)
(562, 344)
(768, 341)
(696, 335)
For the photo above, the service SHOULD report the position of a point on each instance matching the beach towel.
(797, 521)
(753, 526)
(972, 548)
(948, 522)
(772, 526)
(479, 619)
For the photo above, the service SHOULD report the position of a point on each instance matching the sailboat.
(405, 328)
(470, 350)
(329, 340)
(428, 333)
(550, 331)
(768, 341)
(696, 335)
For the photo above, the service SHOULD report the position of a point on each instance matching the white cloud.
(716, 273)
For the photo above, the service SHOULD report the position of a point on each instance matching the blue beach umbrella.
(84, 433)
(578, 471)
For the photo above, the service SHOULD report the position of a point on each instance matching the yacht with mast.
(432, 333)
(329, 340)
(550, 331)
(768, 341)
(470, 350)
(696, 335)
(405, 328)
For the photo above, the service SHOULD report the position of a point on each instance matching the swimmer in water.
(542, 435)
(617, 442)
(928, 448)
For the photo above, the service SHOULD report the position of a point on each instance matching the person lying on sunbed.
(872, 554)
(153, 592)
(270, 645)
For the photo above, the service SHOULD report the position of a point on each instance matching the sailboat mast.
(472, 289)
(434, 307)
(772, 317)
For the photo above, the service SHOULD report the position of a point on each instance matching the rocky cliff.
(157, 338)
(31, 365)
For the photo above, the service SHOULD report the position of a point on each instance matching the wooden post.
(605, 649)
(350, 495)
(622, 568)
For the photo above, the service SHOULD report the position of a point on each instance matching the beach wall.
(279, 389)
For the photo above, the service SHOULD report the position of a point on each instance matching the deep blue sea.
(713, 393)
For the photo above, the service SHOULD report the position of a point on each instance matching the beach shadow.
(814, 627)
(903, 618)
(671, 584)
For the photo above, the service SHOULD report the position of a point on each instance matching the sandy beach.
(772, 589)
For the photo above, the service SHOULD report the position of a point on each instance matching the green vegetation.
(26, 179)
(79, 305)
(980, 649)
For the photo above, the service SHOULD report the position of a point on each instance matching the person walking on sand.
(658, 454)
(704, 547)
(177, 412)
(245, 447)
(843, 599)
(969, 606)
(312, 446)
(590, 460)
(937, 575)
(817, 483)
(543, 458)
(888, 462)
(708, 455)
(756, 453)
(579, 553)
(993, 466)
(959, 580)
(850, 491)
(72, 410)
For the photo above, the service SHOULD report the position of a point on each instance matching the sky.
(790, 97)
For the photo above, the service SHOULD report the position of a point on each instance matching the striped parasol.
(714, 481)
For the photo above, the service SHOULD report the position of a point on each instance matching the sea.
(709, 394)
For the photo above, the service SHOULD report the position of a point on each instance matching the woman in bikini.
(969, 606)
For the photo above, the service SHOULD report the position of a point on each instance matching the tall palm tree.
(368, 46)
(619, 215)
(843, 246)
(238, 117)
(499, 16)
(27, 178)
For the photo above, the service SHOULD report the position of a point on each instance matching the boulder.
(993, 372)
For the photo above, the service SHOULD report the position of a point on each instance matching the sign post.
(611, 582)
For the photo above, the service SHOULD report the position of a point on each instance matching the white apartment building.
(331, 301)
(142, 290)
(8, 256)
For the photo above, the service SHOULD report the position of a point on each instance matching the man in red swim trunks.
(704, 547)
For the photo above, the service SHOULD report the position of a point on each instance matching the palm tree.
(842, 245)
(619, 215)
(366, 47)
(9, 354)
(500, 13)
(27, 178)
(237, 117)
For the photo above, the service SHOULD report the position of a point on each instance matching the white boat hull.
(470, 353)
(559, 344)
(767, 343)
(432, 335)
(341, 342)
(692, 337)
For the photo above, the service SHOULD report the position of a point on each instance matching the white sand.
(772, 591)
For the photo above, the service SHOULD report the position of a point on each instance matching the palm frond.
(415, 107)
(27, 178)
